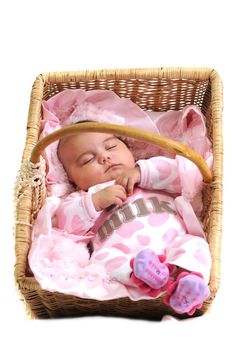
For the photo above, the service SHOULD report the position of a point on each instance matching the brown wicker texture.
(156, 89)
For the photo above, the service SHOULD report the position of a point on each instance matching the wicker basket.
(156, 89)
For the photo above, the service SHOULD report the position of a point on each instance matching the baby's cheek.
(86, 179)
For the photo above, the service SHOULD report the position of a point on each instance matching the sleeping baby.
(146, 235)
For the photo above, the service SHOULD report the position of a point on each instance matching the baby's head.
(91, 158)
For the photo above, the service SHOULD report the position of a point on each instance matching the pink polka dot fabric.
(162, 232)
(149, 219)
(164, 206)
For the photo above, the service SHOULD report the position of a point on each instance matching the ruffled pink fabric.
(71, 106)
(59, 260)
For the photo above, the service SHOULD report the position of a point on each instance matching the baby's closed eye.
(87, 160)
(108, 147)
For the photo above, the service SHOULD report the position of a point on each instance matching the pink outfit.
(148, 219)
(59, 258)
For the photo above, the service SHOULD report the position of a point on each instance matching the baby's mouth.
(112, 166)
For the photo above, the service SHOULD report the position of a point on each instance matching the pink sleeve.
(160, 173)
(76, 214)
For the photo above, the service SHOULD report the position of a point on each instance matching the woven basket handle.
(161, 141)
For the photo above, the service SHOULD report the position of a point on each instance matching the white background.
(42, 36)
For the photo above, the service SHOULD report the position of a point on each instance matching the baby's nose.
(104, 157)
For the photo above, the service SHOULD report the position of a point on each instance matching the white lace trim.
(29, 176)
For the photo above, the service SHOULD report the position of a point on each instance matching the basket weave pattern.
(156, 89)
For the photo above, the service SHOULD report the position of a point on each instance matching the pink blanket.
(58, 259)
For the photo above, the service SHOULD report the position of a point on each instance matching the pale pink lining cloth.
(58, 259)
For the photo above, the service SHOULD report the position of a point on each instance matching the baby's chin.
(111, 175)
(114, 173)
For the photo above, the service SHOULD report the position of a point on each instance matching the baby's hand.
(129, 178)
(114, 194)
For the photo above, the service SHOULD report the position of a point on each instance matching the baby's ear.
(72, 182)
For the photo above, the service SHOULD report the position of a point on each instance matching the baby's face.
(91, 158)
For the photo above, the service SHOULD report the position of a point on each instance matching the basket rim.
(195, 73)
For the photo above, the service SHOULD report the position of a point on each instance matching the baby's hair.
(62, 140)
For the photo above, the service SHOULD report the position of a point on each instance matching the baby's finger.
(125, 183)
(119, 180)
(118, 201)
(120, 187)
(122, 194)
(130, 186)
